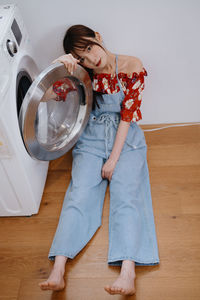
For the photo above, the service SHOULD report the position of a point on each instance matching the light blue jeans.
(132, 233)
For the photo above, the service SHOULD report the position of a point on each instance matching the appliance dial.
(12, 47)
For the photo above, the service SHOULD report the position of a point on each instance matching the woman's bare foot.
(55, 281)
(125, 283)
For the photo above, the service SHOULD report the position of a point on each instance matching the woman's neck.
(110, 66)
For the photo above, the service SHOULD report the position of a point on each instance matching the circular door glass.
(55, 111)
(58, 112)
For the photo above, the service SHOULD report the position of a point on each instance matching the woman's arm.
(120, 138)
(130, 113)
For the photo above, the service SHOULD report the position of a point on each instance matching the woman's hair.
(77, 37)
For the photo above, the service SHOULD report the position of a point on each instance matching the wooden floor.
(174, 166)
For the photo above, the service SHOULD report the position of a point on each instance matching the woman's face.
(93, 57)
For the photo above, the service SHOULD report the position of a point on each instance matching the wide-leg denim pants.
(132, 233)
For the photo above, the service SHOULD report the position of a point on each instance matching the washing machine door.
(50, 127)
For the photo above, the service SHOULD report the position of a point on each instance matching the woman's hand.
(69, 61)
(108, 169)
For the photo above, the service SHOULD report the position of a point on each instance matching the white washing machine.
(34, 128)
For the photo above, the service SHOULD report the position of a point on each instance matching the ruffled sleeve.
(130, 111)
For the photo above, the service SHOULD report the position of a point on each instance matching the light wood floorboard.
(174, 167)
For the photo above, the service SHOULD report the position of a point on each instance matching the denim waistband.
(109, 120)
(105, 117)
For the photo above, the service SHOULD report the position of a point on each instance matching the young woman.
(112, 148)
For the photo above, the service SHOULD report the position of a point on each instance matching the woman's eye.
(89, 48)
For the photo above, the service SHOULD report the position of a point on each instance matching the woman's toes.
(108, 289)
(43, 284)
(47, 285)
(120, 291)
(121, 286)
(113, 290)
(45, 288)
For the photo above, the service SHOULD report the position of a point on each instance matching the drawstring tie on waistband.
(109, 120)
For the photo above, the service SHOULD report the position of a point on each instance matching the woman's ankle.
(59, 263)
(128, 266)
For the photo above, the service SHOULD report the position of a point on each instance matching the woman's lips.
(99, 62)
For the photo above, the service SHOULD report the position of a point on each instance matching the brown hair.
(77, 37)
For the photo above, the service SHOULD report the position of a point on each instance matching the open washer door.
(50, 127)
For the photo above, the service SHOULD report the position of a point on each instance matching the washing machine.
(35, 126)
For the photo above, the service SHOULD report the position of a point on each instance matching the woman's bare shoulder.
(130, 64)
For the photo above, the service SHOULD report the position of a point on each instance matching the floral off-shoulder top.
(132, 85)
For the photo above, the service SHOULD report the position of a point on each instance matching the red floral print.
(132, 85)
(62, 87)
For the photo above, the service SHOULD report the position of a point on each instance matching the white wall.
(163, 34)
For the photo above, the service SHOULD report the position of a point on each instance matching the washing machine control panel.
(11, 47)
(10, 29)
